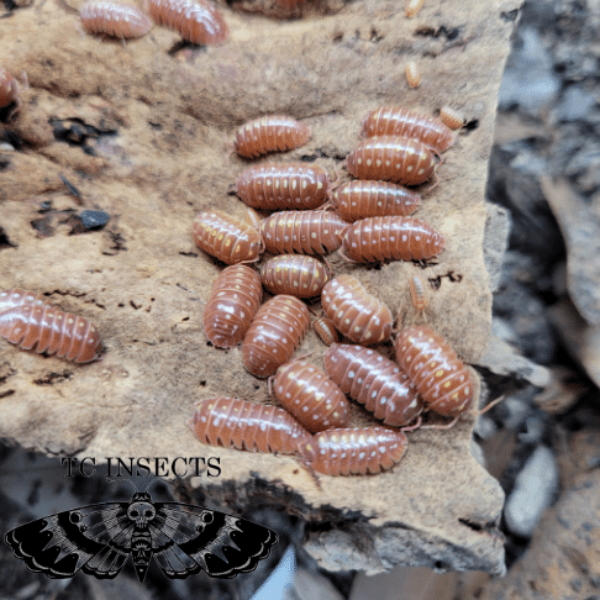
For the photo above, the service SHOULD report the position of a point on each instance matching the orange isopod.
(227, 238)
(395, 120)
(315, 400)
(198, 21)
(438, 374)
(294, 274)
(304, 232)
(275, 133)
(418, 293)
(18, 297)
(277, 330)
(374, 381)
(279, 186)
(123, 21)
(355, 313)
(401, 238)
(358, 451)
(413, 7)
(325, 330)
(360, 199)
(397, 159)
(451, 117)
(235, 298)
(9, 92)
(233, 423)
(48, 329)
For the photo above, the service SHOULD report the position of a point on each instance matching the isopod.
(374, 381)
(277, 330)
(413, 7)
(234, 300)
(9, 92)
(275, 133)
(325, 330)
(451, 117)
(355, 313)
(438, 374)
(227, 238)
(198, 21)
(304, 232)
(293, 274)
(360, 199)
(18, 297)
(234, 423)
(401, 238)
(413, 75)
(418, 293)
(395, 120)
(388, 157)
(358, 451)
(279, 186)
(123, 21)
(306, 392)
(48, 329)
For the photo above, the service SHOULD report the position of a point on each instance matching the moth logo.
(182, 538)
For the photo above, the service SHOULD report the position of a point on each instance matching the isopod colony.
(369, 223)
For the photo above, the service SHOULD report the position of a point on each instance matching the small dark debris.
(471, 125)
(119, 244)
(44, 226)
(72, 189)
(45, 206)
(450, 34)
(4, 163)
(202, 383)
(4, 240)
(52, 378)
(76, 132)
(6, 394)
(509, 16)
(11, 137)
(94, 220)
(157, 126)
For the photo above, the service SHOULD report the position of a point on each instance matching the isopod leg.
(489, 406)
(311, 471)
(413, 427)
(447, 426)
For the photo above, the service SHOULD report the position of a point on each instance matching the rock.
(497, 229)
(311, 586)
(94, 219)
(535, 488)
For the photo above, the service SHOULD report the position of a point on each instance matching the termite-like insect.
(311, 396)
(48, 329)
(277, 330)
(451, 117)
(304, 232)
(233, 423)
(279, 186)
(418, 293)
(413, 7)
(358, 315)
(293, 274)
(326, 331)
(374, 381)
(361, 199)
(275, 133)
(392, 158)
(353, 451)
(401, 238)
(198, 21)
(413, 75)
(227, 238)
(438, 374)
(9, 92)
(395, 120)
(234, 300)
(123, 21)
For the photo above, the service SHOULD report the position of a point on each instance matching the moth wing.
(96, 538)
(187, 538)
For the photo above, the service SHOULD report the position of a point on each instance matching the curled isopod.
(326, 331)
(234, 300)
(361, 199)
(440, 376)
(357, 451)
(306, 392)
(304, 232)
(392, 158)
(398, 121)
(358, 315)
(18, 297)
(413, 7)
(279, 186)
(227, 238)
(293, 274)
(381, 238)
(418, 293)
(123, 21)
(47, 329)
(274, 133)
(234, 423)
(9, 92)
(198, 21)
(452, 118)
(374, 381)
(277, 330)
(413, 74)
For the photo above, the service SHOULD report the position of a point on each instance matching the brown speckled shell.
(233, 423)
(300, 276)
(326, 331)
(123, 21)
(315, 400)
(275, 333)
(354, 451)
(381, 238)
(440, 376)
(355, 313)
(274, 133)
(235, 298)
(374, 381)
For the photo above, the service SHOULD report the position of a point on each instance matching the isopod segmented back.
(326, 331)
(124, 21)
(18, 297)
(294, 274)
